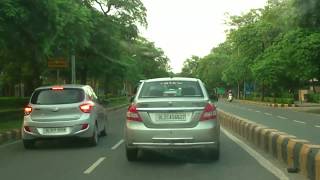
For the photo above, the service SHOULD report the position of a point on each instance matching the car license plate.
(171, 117)
(54, 131)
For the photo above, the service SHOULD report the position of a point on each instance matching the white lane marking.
(258, 111)
(317, 126)
(261, 160)
(268, 114)
(9, 144)
(94, 165)
(117, 145)
(301, 122)
(281, 117)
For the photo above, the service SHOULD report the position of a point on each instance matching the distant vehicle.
(62, 112)
(174, 113)
(230, 97)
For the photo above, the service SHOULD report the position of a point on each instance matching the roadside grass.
(11, 124)
(11, 119)
(117, 102)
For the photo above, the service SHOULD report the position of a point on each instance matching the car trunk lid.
(173, 113)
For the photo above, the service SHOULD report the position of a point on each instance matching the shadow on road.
(174, 156)
(62, 144)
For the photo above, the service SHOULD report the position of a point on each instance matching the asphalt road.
(300, 124)
(68, 160)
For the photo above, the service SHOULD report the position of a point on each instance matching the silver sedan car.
(61, 112)
(174, 113)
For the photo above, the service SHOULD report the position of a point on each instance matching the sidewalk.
(306, 104)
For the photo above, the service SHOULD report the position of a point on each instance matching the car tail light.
(27, 128)
(209, 113)
(86, 107)
(84, 126)
(27, 110)
(133, 114)
(57, 88)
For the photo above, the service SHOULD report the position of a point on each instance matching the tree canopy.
(275, 49)
(102, 35)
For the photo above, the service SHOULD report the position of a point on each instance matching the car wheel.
(132, 154)
(93, 141)
(28, 144)
(104, 131)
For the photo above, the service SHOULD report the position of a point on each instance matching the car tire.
(104, 131)
(132, 154)
(93, 141)
(28, 144)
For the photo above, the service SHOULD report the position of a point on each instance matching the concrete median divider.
(317, 166)
(282, 143)
(296, 153)
(293, 152)
(264, 133)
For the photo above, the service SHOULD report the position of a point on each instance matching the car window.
(65, 96)
(171, 89)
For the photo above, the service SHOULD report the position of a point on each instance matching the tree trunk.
(262, 91)
(244, 89)
(238, 90)
(313, 86)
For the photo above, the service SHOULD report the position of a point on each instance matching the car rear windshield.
(63, 96)
(170, 89)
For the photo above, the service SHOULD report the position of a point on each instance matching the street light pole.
(73, 69)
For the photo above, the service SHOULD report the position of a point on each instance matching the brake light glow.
(86, 107)
(133, 114)
(57, 88)
(27, 110)
(209, 113)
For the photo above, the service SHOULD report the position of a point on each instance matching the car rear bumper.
(205, 134)
(73, 129)
(197, 145)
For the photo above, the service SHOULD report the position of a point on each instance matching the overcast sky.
(190, 27)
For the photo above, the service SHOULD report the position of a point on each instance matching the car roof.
(64, 85)
(172, 79)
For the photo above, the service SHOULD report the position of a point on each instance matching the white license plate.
(54, 131)
(172, 117)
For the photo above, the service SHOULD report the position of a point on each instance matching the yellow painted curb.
(317, 168)
(280, 148)
(272, 145)
(256, 135)
(264, 135)
(290, 149)
(251, 132)
(304, 157)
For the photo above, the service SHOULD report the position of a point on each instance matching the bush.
(13, 102)
(315, 98)
(284, 100)
(272, 100)
(269, 99)
(114, 101)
